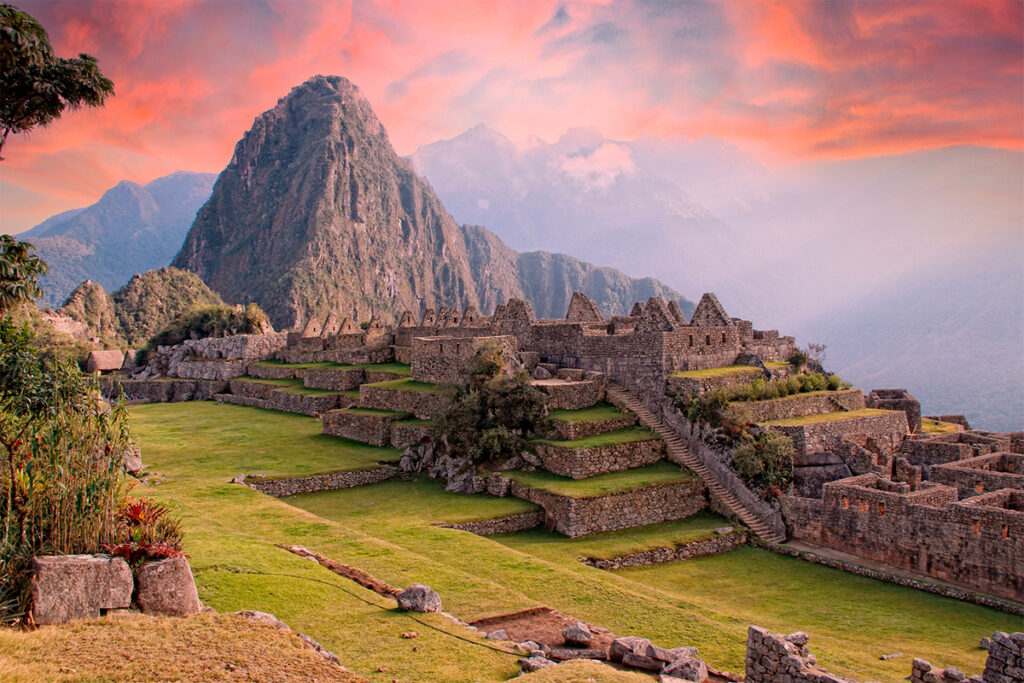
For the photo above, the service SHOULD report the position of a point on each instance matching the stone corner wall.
(772, 658)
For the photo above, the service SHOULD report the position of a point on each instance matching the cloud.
(600, 168)
(798, 80)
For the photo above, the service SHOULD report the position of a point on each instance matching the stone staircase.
(679, 453)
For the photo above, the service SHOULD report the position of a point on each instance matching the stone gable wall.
(443, 360)
(583, 463)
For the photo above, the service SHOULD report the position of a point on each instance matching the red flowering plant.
(147, 532)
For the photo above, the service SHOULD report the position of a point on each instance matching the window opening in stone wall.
(723, 337)
(691, 340)
(846, 503)
(707, 340)
(881, 509)
(979, 487)
(863, 506)
(1005, 532)
(977, 527)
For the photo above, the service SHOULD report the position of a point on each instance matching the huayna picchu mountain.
(316, 212)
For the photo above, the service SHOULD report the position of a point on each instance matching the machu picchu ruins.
(945, 504)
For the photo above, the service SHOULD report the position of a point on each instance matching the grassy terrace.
(627, 435)
(396, 368)
(602, 484)
(719, 372)
(374, 412)
(595, 413)
(385, 530)
(295, 386)
(801, 394)
(283, 383)
(936, 427)
(414, 422)
(610, 544)
(411, 385)
(827, 417)
(776, 364)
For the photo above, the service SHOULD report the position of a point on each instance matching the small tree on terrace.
(36, 86)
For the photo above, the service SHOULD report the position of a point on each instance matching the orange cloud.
(794, 79)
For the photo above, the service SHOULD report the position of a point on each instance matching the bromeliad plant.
(147, 531)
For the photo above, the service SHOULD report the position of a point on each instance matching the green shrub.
(494, 416)
(61, 469)
(818, 382)
(798, 359)
(793, 384)
(146, 531)
(766, 462)
(806, 383)
(834, 382)
(211, 321)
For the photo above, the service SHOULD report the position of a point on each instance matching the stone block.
(66, 587)
(419, 598)
(167, 587)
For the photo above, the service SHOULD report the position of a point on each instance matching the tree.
(36, 86)
(19, 269)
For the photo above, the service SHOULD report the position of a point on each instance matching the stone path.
(679, 453)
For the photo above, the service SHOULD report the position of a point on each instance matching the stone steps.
(679, 453)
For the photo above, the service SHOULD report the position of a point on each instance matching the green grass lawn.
(720, 372)
(854, 620)
(827, 417)
(602, 484)
(936, 427)
(556, 547)
(411, 385)
(414, 422)
(596, 412)
(627, 435)
(374, 412)
(385, 530)
(286, 382)
(776, 364)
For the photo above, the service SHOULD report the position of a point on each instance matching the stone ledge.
(587, 462)
(688, 551)
(331, 481)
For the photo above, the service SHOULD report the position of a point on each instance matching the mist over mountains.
(852, 253)
(131, 229)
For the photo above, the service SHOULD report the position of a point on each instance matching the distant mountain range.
(131, 229)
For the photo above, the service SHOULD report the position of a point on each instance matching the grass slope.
(596, 412)
(140, 648)
(827, 417)
(231, 532)
(720, 372)
(602, 484)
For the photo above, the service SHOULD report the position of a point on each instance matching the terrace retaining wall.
(321, 482)
(636, 507)
(162, 390)
(426, 405)
(688, 551)
(365, 427)
(803, 404)
(502, 525)
(580, 463)
(578, 430)
(887, 429)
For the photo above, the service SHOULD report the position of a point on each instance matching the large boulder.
(66, 587)
(167, 587)
(419, 598)
(626, 644)
(686, 669)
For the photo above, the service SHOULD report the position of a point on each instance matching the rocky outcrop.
(316, 213)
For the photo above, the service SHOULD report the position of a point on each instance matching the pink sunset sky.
(788, 81)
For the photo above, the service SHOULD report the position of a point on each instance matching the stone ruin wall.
(978, 542)
(887, 430)
(574, 517)
(588, 462)
(982, 474)
(443, 360)
(803, 404)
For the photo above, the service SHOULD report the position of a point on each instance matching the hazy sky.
(787, 81)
